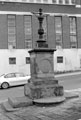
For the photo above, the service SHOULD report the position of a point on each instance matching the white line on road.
(74, 90)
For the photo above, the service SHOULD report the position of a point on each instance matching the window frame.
(10, 28)
(28, 61)
(73, 32)
(12, 60)
(58, 33)
(59, 59)
(27, 36)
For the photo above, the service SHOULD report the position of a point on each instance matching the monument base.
(44, 89)
(42, 85)
(49, 100)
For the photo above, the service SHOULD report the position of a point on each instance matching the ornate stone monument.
(42, 86)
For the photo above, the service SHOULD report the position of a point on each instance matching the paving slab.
(14, 104)
(20, 101)
(42, 117)
(48, 113)
(68, 110)
(3, 117)
(11, 116)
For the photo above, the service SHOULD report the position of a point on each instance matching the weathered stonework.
(42, 83)
(43, 91)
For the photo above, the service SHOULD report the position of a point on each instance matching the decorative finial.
(41, 42)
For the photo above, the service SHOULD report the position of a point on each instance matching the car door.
(11, 79)
(21, 79)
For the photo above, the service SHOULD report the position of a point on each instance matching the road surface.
(70, 82)
(11, 92)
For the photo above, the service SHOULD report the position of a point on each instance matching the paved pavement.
(68, 110)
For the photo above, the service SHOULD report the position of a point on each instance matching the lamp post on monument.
(40, 16)
(43, 84)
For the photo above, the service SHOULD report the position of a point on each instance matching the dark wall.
(33, 7)
(20, 32)
(51, 32)
(35, 25)
(3, 32)
(66, 31)
(79, 31)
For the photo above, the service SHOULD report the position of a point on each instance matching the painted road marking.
(74, 90)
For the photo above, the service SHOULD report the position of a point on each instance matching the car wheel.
(5, 85)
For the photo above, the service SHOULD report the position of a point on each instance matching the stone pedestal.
(40, 89)
(42, 83)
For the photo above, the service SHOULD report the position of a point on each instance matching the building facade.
(18, 33)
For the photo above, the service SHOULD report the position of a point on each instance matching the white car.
(13, 79)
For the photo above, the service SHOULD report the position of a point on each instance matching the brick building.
(18, 33)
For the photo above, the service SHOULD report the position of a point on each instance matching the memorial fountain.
(43, 86)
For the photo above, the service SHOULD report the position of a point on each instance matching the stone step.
(20, 102)
(13, 104)
(7, 107)
(50, 100)
(57, 99)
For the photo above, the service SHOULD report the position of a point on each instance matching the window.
(19, 75)
(12, 60)
(58, 31)
(28, 32)
(73, 33)
(66, 1)
(31, 0)
(11, 31)
(60, 59)
(73, 1)
(27, 60)
(38, 0)
(45, 1)
(54, 1)
(60, 1)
